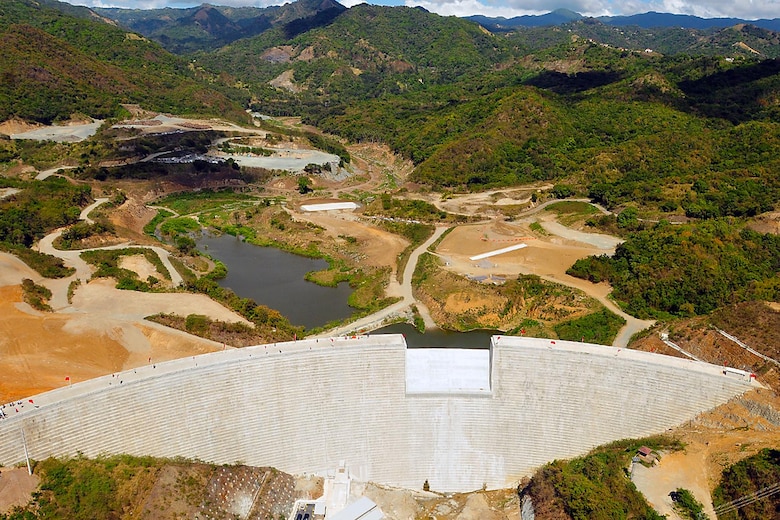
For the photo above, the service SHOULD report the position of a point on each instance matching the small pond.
(275, 278)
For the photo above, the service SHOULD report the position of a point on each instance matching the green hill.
(624, 128)
(55, 65)
(363, 53)
(475, 110)
(738, 41)
(209, 27)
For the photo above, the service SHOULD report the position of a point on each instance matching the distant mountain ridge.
(647, 20)
(208, 27)
(60, 60)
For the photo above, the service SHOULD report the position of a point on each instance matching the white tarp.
(329, 206)
(498, 252)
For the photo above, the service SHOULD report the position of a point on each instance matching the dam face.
(455, 418)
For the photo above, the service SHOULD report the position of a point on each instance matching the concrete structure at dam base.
(460, 419)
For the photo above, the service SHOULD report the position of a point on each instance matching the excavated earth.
(39, 350)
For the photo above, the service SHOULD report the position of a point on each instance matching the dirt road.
(379, 318)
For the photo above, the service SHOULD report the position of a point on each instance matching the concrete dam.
(458, 418)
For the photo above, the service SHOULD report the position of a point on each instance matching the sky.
(745, 9)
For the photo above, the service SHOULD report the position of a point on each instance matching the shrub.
(36, 295)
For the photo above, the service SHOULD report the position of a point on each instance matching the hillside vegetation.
(741, 40)
(689, 269)
(476, 111)
(55, 65)
(363, 53)
(756, 474)
(208, 27)
(123, 486)
(595, 486)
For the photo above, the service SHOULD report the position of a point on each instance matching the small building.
(646, 455)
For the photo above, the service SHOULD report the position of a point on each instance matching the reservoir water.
(438, 338)
(275, 278)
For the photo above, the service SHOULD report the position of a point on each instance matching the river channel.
(275, 278)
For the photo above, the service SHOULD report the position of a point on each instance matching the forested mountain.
(209, 27)
(501, 24)
(625, 128)
(738, 41)
(472, 109)
(651, 20)
(475, 110)
(54, 64)
(365, 51)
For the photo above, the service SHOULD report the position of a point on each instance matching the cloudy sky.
(747, 9)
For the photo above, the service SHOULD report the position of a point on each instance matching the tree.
(561, 191)
(185, 244)
(304, 184)
(628, 218)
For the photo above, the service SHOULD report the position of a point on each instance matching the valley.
(548, 256)
(97, 337)
(585, 181)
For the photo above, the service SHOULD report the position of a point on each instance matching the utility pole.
(26, 454)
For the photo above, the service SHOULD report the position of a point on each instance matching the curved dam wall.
(306, 406)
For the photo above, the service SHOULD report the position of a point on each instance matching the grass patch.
(46, 265)
(186, 273)
(686, 504)
(107, 263)
(572, 206)
(570, 212)
(179, 226)
(151, 227)
(600, 327)
(36, 295)
(204, 200)
(235, 334)
(75, 284)
(537, 228)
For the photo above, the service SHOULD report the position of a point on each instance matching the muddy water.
(275, 278)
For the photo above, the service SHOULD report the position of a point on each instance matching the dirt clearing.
(547, 256)
(16, 487)
(103, 331)
(379, 248)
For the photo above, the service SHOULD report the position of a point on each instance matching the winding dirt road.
(378, 319)
(72, 258)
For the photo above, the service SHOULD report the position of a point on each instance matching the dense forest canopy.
(689, 269)
(55, 65)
